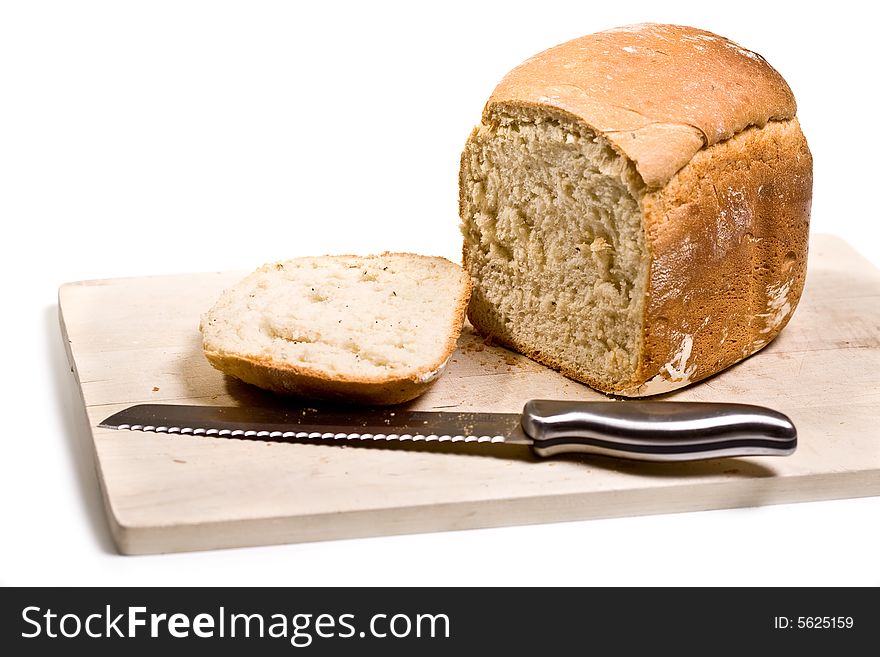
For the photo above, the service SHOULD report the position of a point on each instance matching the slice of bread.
(370, 330)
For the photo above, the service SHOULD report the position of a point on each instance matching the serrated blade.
(313, 423)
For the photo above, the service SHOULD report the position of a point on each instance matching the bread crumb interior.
(555, 242)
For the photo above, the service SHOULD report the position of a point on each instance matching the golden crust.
(299, 382)
(658, 93)
(728, 237)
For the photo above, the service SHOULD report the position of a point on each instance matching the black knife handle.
(657, 431)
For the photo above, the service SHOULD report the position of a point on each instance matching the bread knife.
(641, 430)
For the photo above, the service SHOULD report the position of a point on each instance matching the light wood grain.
(136, 340)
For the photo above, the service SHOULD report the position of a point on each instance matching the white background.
(163, 137)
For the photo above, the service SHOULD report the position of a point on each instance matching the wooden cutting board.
(136, 340)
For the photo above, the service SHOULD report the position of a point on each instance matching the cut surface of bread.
(635, 208)
(554, 235)
(363, 329)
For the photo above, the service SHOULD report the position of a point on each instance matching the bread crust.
(726, 202)
(295, 381)
(288, 379)
(728, 237)
(658, 93)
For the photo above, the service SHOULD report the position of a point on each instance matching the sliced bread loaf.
(371, 330)
(635, 207)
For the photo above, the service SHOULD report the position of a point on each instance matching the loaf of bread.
(368, 330)
(635, 207)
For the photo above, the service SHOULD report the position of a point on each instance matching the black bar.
(440, 621)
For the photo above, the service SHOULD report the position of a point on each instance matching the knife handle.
(657, 431)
